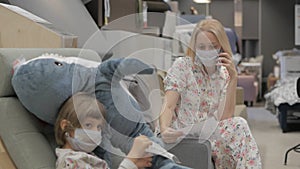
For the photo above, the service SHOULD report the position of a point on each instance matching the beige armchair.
(240, 107)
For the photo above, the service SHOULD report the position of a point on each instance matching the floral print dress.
(201, 95)
(69, 159)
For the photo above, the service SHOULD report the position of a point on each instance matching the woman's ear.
(63, 124)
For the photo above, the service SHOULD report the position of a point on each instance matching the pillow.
(43, 84)
(8, 55)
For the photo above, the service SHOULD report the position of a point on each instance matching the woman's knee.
(240, 120)
(241, 124)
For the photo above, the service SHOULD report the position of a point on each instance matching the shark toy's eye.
(58, 63)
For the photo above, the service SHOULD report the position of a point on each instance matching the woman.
(202, 86)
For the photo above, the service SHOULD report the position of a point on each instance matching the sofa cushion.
(9, 55)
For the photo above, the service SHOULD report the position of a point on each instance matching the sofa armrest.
(192, 152)
(22, 135)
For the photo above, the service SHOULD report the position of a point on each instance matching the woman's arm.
(168, 134)
(226, 60)
(174, 84)
(167, 112)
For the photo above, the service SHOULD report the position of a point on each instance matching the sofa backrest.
(147, 91)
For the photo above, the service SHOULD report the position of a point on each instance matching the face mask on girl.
(84, 140)
(207, 57)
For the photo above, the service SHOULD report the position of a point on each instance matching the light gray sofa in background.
(30, 142)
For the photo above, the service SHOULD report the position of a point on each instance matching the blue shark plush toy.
(43, 84)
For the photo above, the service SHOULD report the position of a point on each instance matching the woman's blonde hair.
(77, 108)
(213, 26)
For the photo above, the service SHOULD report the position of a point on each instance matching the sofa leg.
(251, 103)
(296, 149)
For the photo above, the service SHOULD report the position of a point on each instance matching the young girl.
(78, 132)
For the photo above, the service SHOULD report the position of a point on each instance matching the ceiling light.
(202, 1)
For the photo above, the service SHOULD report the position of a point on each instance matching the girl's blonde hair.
(75, 110)
(213, 26)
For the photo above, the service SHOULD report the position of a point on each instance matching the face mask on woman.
(84, 140)
(207, 57)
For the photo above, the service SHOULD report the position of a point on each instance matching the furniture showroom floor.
(271, 141)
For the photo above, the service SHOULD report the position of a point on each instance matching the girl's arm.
(138, 157)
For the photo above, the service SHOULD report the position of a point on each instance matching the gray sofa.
(30, 142)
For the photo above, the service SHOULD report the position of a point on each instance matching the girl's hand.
(137, 153)
(143, 162)
(170, 135)
(226, 60)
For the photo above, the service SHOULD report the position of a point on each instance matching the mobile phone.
(221, 51)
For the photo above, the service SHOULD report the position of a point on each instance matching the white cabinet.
(289, 66)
